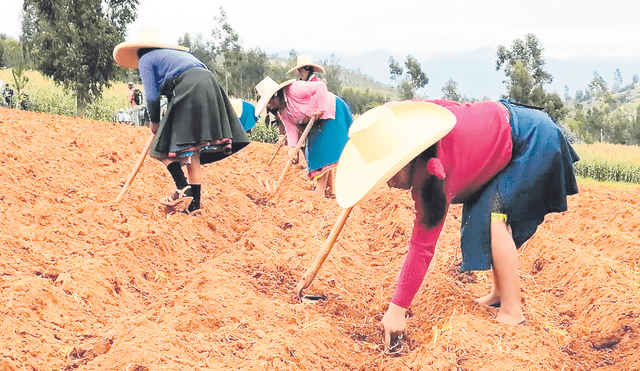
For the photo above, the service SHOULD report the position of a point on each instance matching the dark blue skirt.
(198, 112)
(534, 183)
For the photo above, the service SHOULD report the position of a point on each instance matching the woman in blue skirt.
(509, 165)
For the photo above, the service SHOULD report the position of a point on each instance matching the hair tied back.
(435, 168)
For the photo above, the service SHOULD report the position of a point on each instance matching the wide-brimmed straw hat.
(126, 53)
(384, 140)
(303, 60)
(266, 89)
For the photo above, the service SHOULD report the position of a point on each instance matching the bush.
(264, 132)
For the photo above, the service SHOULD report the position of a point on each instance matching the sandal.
(195, 212)
(178, 197)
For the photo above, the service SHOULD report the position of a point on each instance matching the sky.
(565, 28)
(425, 28)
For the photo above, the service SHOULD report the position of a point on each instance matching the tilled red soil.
(89, 284)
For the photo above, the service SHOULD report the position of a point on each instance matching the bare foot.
(490, 300)
(511, 318)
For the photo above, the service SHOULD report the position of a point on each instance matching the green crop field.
(47, 96)
(609, 162)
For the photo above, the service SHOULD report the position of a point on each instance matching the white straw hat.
(304, 60)
(266, 89)
(126, 53)
(384, 140)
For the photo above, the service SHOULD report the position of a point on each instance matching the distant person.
(123, 116)
(246, 112)
(199, 126)
(136, 110)
(23, 99)
(7, 95)
(294, 103)
(509, 165)
(306, 69)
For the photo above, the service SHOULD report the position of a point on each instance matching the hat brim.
(262, 103)
(316, 68)
(126, 53)
(423, 124)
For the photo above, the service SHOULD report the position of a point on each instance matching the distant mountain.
(477, 77)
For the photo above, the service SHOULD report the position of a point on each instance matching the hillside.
(475, 72)
(88, 284)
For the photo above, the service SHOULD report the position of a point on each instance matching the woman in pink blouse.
(509, 165)
(306, 69)
(294, 103)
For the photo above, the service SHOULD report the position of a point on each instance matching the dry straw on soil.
(92, 285)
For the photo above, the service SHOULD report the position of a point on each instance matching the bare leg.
(193, 170)
(321, 183)
(493, 298)
(506, 286)
(331, 181)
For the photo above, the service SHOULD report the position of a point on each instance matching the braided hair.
(433, 199)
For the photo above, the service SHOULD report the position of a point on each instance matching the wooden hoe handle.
(297, 148)
(311, 272)
(136, 168)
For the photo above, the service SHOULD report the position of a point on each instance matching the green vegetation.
(609, 162)
(56, 42)
(72, 43)
(264, 132)
(47, 96)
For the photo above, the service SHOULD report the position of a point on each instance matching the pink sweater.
(477, 148)
(303, 98)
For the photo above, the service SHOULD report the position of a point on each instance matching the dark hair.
(143, 51)
(434, 200)
(308, 69)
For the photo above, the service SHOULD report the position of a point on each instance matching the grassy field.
(607, 162)
(47, 96)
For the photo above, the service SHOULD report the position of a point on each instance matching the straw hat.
(236, 103)
(266, 89)
(126, 53)
(304, 60)
(384, 140)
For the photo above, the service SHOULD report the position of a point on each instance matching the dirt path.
(90, 285)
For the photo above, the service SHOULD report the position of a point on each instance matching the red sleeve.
(421, 249)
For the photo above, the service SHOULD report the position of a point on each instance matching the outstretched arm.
(421, 250)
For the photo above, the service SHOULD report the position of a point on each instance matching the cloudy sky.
(566, 28)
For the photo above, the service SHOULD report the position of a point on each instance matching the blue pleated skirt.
(534, 183)
(327, 138)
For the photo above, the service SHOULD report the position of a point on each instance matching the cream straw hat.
(126, 53)
(266, 89)
(384, 140)
(304, 60)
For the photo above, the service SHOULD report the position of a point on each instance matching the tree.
(523, 66)
(395, 69)
(450, 91)
(73, 41)
(598, 85)
(520, 84)
(203, 50)
(617, 81)
(418, 78)
(415, 79)
(594, 125)
(529, 51)
(332, 71)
